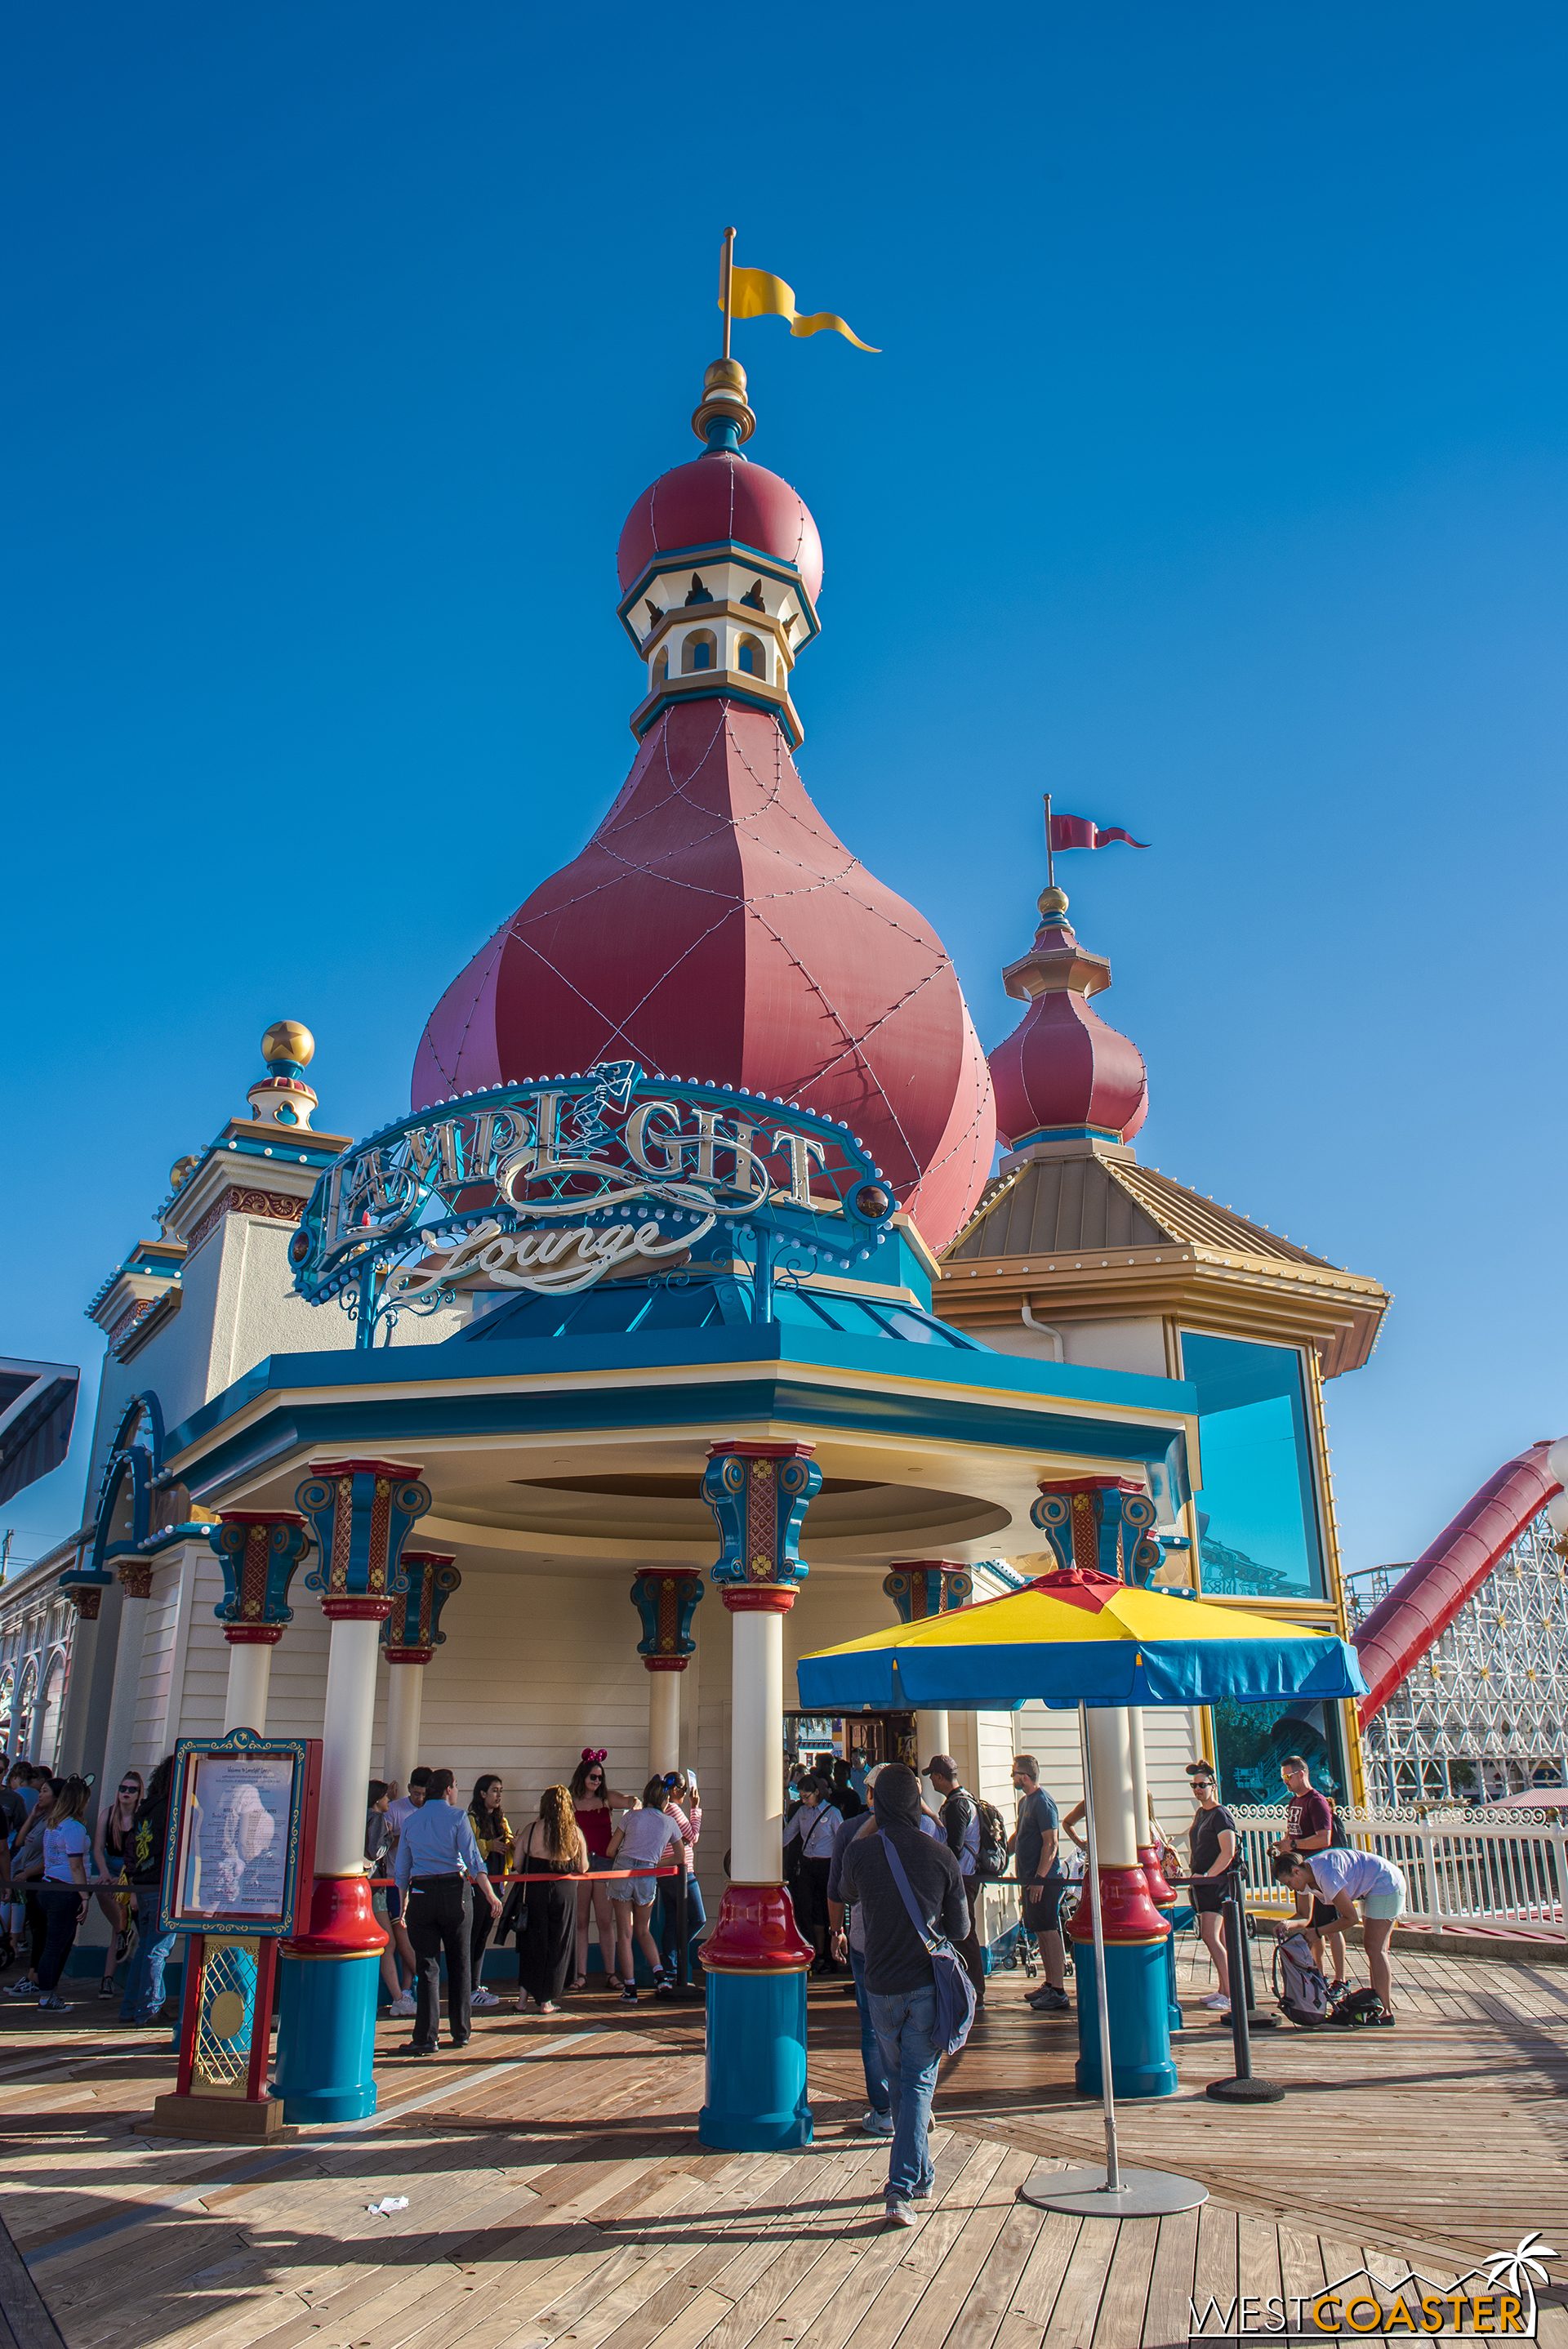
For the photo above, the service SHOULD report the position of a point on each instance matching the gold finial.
(1052, 902)
(723, 418)
(182, 1172)
(288, 1040)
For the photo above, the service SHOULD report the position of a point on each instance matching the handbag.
(955, 2001)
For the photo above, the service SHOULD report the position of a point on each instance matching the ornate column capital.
(1100, 1525)
(759, 1493)
(136, 1581)
(258, 1550)
(85, 1590)
(928, 1587)
(411, 1632)
(667, 1603)
(362, 1512)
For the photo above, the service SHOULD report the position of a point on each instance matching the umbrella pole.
(1112, 2172)
(1133, 2193)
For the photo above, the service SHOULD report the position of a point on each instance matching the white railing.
(1479, 1868)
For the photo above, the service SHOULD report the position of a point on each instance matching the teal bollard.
(1135, 1981)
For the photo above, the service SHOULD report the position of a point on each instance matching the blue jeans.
(870, 2054)
(144, 1984)
(904, 2021)
(696, 1917)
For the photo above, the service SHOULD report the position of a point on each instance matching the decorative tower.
(714, 926)
(1079, 1254)
(1063, 1075)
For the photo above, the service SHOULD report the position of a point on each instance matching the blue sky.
(1214, 475)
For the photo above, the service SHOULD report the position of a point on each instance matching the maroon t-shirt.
(1308, 1814)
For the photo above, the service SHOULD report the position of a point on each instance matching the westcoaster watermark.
(1493, 2301)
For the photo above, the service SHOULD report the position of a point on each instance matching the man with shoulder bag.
(910, 1895)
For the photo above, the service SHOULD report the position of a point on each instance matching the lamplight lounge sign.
(551, 1185)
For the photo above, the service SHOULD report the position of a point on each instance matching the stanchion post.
(1246, 2088)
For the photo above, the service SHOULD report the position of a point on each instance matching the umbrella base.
(1245, 2092)
(1141, 2194)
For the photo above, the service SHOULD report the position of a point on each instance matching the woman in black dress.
(547, 1936)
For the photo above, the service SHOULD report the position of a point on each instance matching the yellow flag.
(758, 294)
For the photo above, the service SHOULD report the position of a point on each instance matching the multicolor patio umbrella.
(1078, 1637)
(1081, 1638)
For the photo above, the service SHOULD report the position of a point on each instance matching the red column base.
(342, 1922)
(756, 1934)
(1152, 1863)
(1129, 1914)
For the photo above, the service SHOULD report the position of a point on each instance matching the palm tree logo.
(1521, 2269)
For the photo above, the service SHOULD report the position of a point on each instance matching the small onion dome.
(715, 928)
(720, 497)
(1063, 1072)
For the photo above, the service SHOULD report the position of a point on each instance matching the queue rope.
(603, 1875)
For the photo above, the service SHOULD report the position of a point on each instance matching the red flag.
(1081, 832)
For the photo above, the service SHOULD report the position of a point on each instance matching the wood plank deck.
(557, 2193)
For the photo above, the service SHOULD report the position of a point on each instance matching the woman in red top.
(593, 1802)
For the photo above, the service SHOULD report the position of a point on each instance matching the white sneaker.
(402, 2006)
(1221, 2005)
(482, 1997)
(875, 2124)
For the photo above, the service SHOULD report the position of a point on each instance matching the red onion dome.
(714, 927)
(1063, 1072)
(720, 497)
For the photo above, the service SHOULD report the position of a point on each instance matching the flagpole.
(726, 272)
(1050, 860)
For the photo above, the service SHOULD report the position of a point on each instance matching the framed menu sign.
(241, 1833)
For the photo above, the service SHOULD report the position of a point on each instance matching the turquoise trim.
(326, 2038)
(1064, 1134)
(965, 1406)
(1140, 2062)
(725, 689)
(756, 2099)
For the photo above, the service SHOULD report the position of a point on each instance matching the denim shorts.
(635, 1891)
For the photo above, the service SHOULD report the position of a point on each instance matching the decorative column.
(1151, 1859)
(135, 1583)
(361, 1512)
(756, 1959)
(667, 1603)
(1099, 1526)
(409, 1638)
(929, 1587)
(258, 1550)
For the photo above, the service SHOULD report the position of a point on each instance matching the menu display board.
(242, 1819)
(236, 1836)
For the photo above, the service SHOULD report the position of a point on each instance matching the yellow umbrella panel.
(1081, 1638)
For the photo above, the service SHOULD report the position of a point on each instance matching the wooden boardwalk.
(557, 2193)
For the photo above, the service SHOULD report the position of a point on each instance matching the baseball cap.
(943, 1762)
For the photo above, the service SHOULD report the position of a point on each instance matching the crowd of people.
(445, 1881)
(445, 1885)
(54, 1864)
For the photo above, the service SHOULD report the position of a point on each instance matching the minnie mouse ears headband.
(591, 1754)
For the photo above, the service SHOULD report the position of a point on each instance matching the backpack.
(1356, 2009)
(991, 1859)
(1338, 1840)
(956, 2000)
(1298, 1984)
